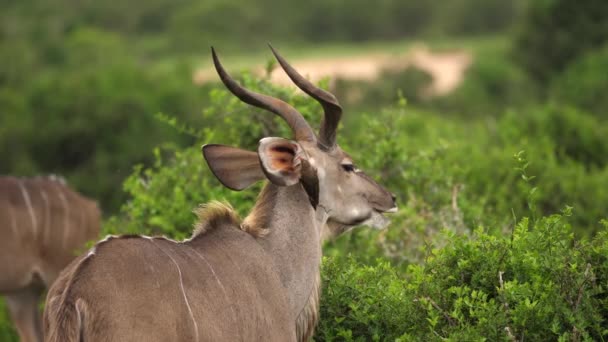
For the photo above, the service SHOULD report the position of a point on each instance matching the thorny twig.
(438, 308)
(508, 329)
(455, 190)
(582, 287)
(575, 332)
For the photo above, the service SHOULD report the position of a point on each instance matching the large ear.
(281, 160)
(236, 169)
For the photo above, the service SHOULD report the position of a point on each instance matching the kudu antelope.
(42, 225)
(255, 280)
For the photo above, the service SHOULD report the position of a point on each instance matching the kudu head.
(328, 174)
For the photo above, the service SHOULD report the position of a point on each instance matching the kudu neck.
(293, 239)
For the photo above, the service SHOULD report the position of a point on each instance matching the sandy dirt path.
(447, 68)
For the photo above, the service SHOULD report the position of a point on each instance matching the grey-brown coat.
(256, 280)
(43, 226)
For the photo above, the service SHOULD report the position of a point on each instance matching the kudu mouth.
(378, 217)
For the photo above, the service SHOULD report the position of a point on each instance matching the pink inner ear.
(281, 160)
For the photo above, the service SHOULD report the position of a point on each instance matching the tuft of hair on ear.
(212, 215)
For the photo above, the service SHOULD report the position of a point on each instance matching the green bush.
(567, 150)
(554, 33)
(7, 331)
(93, 117)
(537, 284)
(575, 134)
(475, 17)
(583, 84)
(389, 88)
(491, 85)
(164, 26)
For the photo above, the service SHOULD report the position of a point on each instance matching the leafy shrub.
(554, 33)
(470, 17)
(567, 150)
(491, 85)
(164, 26)
(575, 134)
(92, 121)
(539, 284)
(7, 331)
(583, 84)
(389, 88)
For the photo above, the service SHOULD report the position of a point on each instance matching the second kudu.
(255, 280)
(43, 223)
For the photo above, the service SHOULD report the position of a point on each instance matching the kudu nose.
(394, 197)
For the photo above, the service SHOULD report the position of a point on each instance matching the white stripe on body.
(66, 210)
(181, 284)
(47, 218)
(217, 279)
(30, 209)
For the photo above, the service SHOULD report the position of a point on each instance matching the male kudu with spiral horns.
(255, 280)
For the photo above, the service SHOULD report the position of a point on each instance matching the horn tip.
(274, 51)
(216, 60)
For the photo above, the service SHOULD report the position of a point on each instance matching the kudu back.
(255, 279)
(43, 223)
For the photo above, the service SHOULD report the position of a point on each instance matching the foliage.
(387, 89)
(7, 331)
(575, 134)
(583, 84)
(188, 26)
(59, 121)
(491, 85)
(554, 33)
(469, 17)
(565, 148)
(537, 284)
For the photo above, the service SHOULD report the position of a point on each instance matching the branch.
(508, 329)
(438, 308)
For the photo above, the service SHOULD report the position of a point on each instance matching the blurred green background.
(441, 98)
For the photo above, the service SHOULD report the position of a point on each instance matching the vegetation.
(555, 33)
(538, 284)
(501, 232)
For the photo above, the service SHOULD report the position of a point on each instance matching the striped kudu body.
(42, 225)
(251, 280)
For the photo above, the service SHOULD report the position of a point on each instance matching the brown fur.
(308, 318)
(258, 221)
(255, 308)
(43, 224)
(68, 326)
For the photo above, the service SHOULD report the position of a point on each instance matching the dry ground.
(446, 68)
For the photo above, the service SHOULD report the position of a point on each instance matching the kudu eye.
(349, 167)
